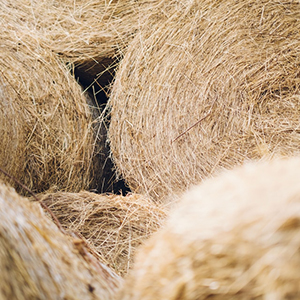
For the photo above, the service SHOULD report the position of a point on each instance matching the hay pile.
(88, 36)
(38, 262)
(207, 88)
(233, 237)
(114, 226)
(47, 138)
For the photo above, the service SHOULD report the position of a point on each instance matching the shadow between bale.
(95, 78)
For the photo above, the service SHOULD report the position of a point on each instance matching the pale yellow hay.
(47, 138)
(114, 226)
(235, 236)
(37, 261)
(203, 88)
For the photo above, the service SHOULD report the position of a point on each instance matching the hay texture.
(114, 226)
(37, 261)
(47, 138)
(235, 236)
(77, 29)
(91, 34)
(206, 88)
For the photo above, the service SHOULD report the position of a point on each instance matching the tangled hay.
(114, 226)
(90, 37)
(37, 261)
(47, 140)
(210, 86)
(12, 136)
(91, 34)
(235, 236)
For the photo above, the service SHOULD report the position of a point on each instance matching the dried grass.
(205, 88)
(13, 137)
(235, 236)
(47, 138)
(38, 262)
(92, 34)
(89, 35)
(114, 226)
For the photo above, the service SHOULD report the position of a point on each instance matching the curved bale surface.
(235, 236)
(209, 87)
(13, 137)
(37, 261)
(48, 140)
(114, 226)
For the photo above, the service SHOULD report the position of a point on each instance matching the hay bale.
(114, 226)
(37, 261)
(235, 236)
(47, 140)
(207, 88)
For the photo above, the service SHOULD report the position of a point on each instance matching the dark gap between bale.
(95, 78)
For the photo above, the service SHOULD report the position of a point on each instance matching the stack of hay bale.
(38, 41)
(52, 135)
(194, 88)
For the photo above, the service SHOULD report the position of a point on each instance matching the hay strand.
(114, 226)
(47, 139)
(235, 236)
(232, 65)
(92, 34)
(38, 262)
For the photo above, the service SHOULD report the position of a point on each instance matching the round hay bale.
(209, 87)
(235, 236)
(114, 226)
(48, 140)
(37, 261)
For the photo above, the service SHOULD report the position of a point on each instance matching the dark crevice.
(95, 77)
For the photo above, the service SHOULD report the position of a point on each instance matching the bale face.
(114, 226)
(47, 138)
(38, 262)
(209, 87)
(235, 236)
